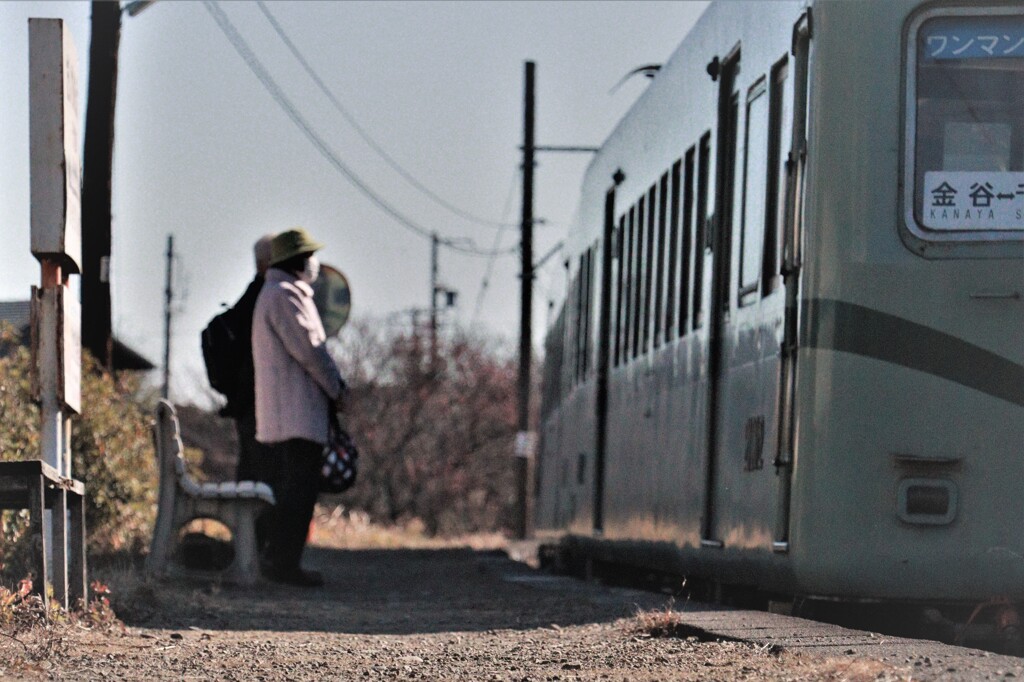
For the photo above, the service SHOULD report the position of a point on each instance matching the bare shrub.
(112, 453)
(435, 434)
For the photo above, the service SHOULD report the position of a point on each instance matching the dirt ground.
(399, 608)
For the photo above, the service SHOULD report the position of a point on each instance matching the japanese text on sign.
(992, 37)
(964, 200)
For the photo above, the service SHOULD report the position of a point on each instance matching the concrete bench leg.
(156, 561)
(168, 509)
(245, 569)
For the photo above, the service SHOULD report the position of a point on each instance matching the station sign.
(973, 200)
(333, 298)
(55, 164)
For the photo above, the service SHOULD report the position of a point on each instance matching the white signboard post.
(55, 163)
(56, 222)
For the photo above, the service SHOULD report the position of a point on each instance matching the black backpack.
(221, 353)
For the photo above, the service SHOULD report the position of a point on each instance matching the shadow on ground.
(388, 592)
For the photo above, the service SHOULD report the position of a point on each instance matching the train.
(789, 356)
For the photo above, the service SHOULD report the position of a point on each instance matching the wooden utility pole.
(525, 439)
(435, 243)
(98, 159)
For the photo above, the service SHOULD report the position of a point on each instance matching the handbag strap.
(335, 422)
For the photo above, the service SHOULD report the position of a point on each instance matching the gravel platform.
(463, 614)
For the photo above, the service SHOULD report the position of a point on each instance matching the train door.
(721, 246)
(792, 241)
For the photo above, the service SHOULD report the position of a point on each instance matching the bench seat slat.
(209, 491)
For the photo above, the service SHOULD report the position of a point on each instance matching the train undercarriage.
(992, 625)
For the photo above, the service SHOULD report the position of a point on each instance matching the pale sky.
(204, 152)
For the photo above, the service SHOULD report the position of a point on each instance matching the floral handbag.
(338, 463)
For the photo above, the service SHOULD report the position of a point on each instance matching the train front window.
(968, 122)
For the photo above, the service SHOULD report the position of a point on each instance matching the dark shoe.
(297, 577)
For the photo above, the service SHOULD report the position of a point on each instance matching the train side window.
(589, 346)
(569, 343)
(659, 279)
(701, 228)
(638, 270)
(966, 161)
(649, 267)
(687, 240)
(588, 342)
(588, 298)
(732, 201)
(755, 183)
(672, 282)
(578, 328)
(551, 388)
(581, 316)
(779, 124)
(572, 345)
(619, 247)
(630, 284)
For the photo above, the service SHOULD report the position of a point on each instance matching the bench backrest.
(170, 451)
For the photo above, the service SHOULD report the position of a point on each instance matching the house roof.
(127, 358)
(15, 312)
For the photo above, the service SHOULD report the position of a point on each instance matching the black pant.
(253, 456)
(295, 485)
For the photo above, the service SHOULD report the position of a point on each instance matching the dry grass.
(753, 661)
(34, 631)
(338, 528)
(664, 622)
(777, 663)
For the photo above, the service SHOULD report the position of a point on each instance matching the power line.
(365, 135)
(465, 245)
(485, 282)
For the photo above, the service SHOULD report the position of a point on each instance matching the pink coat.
(296, 379)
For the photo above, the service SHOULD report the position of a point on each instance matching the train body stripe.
(842, 326)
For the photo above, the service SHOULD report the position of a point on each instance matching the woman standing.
(297, 384)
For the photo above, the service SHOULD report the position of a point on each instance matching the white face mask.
(311, 271)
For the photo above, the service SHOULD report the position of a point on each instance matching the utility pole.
(435, 242)
(524, 439)
(98, 155)
(168, 300)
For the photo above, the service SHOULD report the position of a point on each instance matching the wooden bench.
(37, 486)
(182, 500)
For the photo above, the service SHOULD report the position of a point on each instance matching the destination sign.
(972, 38)
(969, 200)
